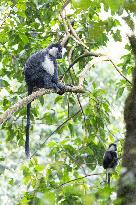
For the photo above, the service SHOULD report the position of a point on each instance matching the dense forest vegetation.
(69, 133)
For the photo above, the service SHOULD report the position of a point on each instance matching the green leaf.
(39, 168)
(11, 182)
(41, 98)
(114, 5)
(120, 92)
(23, 38)
(81, 4)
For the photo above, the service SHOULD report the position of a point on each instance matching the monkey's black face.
(59, 53)
(113, 147)
(56, 51)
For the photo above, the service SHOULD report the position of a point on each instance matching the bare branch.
(78, 98)
(80, 178)
(95, 61)
(70, 54)
(87, 67)
(86, 54)
(65, 40)
(119, 71)
(7, 114)
(79, 41)
(65, 4)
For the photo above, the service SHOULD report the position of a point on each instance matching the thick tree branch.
(8, 113)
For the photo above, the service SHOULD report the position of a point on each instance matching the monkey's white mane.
(53, 51)
(112, 148)
(48, 65)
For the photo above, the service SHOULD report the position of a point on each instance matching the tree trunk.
(127, 182)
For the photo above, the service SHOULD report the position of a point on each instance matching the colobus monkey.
(41, 71)
(110, 160)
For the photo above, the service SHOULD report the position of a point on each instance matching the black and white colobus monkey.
(110, 160)
(41, 71)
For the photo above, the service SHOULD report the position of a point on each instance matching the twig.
(78, 98)
(119, 71)
(60, 126)
(8, 113)
(87, 67)
(75, 35)
(86, 54)
(93, 62)
(80, 178)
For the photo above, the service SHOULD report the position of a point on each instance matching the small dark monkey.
(110, 160)
(41, 71)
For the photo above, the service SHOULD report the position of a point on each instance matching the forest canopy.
(69, 133)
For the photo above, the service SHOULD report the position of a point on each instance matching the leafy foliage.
(69, 133)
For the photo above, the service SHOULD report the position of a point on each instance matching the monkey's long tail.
(108, 177)
(27, 149)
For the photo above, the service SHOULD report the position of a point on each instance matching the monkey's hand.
(61, 88)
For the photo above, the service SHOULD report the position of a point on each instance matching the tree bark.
(127, 182)
(9, 112)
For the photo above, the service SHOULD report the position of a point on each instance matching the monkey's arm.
(114, 161)
(55, 80)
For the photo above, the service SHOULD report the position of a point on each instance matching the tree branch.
(80, 178)
(68, 35)
(59, 127)
(119, 71)
(8, 113)
(73, 32)
(65, 4)
(85, 54)
(87, 67)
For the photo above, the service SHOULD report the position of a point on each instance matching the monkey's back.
(34, 71)
(110, 159)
